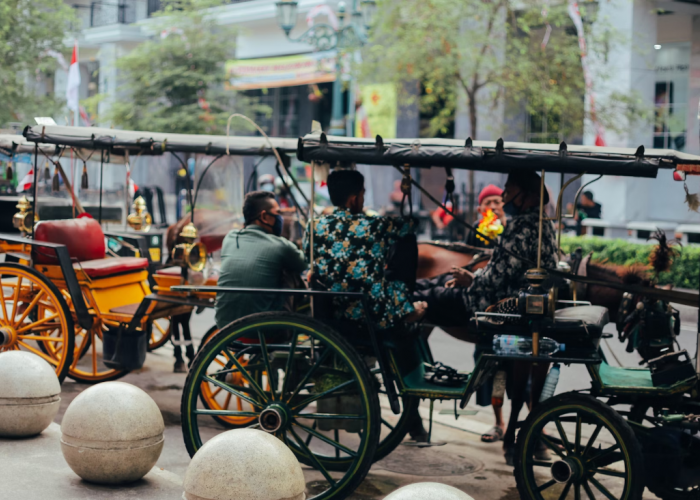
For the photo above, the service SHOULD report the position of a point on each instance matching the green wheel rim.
(296, 392)
(586, 447)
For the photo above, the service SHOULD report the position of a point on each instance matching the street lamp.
(323, 36)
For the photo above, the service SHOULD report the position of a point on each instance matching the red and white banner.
(73, 86)
(26, 183)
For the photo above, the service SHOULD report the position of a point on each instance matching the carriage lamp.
(536, 301)
(139, 219)
(368, 9)
(190, 254)
(24, 219)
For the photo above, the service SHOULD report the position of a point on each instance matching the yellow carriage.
(66, 296)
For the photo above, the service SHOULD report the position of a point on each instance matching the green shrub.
(684, 272)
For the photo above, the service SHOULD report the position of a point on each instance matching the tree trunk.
(472, 124)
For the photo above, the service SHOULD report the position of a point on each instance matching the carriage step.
(458, 412)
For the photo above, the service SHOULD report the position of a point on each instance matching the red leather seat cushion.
(101, 268)
(83, 237)
(213, 241)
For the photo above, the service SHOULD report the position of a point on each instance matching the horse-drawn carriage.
(67, 296)
(340, 394)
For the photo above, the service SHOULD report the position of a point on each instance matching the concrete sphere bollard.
(29, 394)
(424, 491)
(112, 433)
(244, 464)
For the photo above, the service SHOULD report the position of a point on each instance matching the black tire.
(585, 466)
(59, 358)
(208, 336)
(332, 355)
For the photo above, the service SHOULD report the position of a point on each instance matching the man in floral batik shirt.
(350, 254)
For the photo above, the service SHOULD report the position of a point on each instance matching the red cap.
(489, 190)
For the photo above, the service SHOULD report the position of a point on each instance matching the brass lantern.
(189, 253)
(139, 219)
(24, 219)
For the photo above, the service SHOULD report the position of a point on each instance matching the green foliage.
(491, 52)
(174, 82)
(28, 29)
(684, 273)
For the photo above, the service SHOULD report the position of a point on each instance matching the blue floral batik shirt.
(350, 253)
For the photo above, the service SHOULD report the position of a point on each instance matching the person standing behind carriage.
(490, 198)
(256, 257)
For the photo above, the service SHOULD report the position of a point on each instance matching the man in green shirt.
(255, 257)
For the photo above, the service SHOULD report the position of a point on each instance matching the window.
(671, 96)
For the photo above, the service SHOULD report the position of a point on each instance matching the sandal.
(441, 374)
(494, 434)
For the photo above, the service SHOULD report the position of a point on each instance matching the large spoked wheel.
(594, 452)
(34, 317)
(303, 383)
(159, 333)
(87, 366)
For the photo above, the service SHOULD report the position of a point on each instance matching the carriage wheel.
(394, 427)
(321, 400)
(594, 452)
(87, 366)
(207, 337)
(160, 333)
(34, 317)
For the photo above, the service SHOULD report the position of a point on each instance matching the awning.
(286, 71)
(492, 156)
(155, 143)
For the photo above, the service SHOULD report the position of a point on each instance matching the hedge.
(684, 273)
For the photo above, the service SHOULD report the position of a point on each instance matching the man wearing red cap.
(490, 198)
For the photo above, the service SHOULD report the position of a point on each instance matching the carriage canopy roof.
(492, 156)
(155, 143)
(17, 144)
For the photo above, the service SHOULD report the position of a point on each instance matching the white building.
(658, 60)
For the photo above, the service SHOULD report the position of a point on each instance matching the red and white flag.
(73, 86)
(26, 183)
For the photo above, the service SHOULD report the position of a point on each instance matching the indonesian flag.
(73, 85)
(26, 183)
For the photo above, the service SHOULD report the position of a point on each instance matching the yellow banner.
(287, 71)
(377, 113)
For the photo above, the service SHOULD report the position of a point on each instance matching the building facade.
(659, 59)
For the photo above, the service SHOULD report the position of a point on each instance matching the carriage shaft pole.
(539, 240)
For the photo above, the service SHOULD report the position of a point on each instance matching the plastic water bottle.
(550, 383)
(499, 389)
(508, 345)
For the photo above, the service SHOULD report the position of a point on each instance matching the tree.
(32, 33)
(175, 81)
(492, 52)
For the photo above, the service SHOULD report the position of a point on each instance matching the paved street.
(34, 468)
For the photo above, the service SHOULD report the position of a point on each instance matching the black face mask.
(277, 226)
(510, 209)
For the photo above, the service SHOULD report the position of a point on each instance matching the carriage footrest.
(124, 351)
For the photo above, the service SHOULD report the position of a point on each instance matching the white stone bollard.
(112, 433)
(425, 491)
(29, 394)
(244, 464)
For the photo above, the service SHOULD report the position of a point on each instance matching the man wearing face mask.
(504, 275)
(255, 257)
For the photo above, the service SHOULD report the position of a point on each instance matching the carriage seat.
(581, 320)
(176, 271)
(85, 242)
